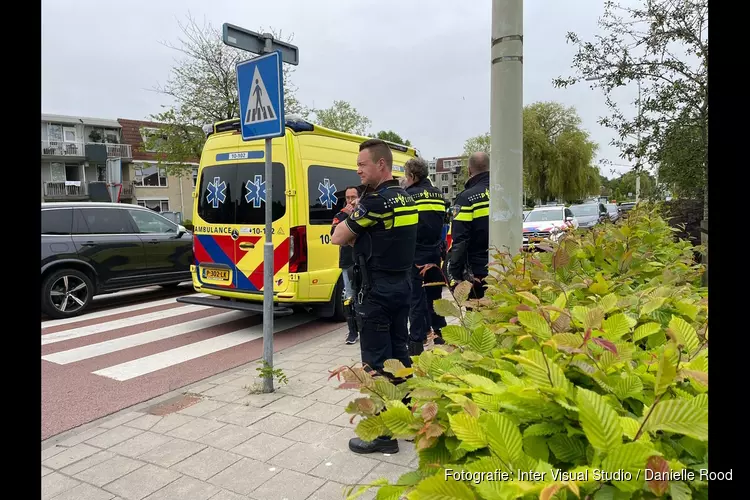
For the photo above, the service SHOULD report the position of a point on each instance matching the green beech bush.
(585, 367)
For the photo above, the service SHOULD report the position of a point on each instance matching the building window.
(161, 205)
(444, 177)
(445, 189)
(150, 176)
(195, 177)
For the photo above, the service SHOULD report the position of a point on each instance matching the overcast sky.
(418, 67)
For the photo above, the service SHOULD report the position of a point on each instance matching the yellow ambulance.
(312, 167)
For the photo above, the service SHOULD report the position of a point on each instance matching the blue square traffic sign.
(260, 85)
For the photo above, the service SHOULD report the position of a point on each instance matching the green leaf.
(680, 416)
(485, 464)
(410, 478)
(652, 305)
(529, 297)
(440, 487)
(629, 427)
(599, 421)
(618, 325)
(399, 419)
(467, 429)
(629, 457)
(535, 323)
(610, 493)
(446, 308)
(455, 335)
(543, 429)
(482, 340)
(483, 383)
(687, 309)
(387, 390)
(371, 427)
(566, 448)
(645, 330)
(666, 372)
(536, 447)
(593, 318)
(608, 302)
(685, 333)
(390, 492)
(392, 366)
(628, 387)
(503, 437)
(678, 490)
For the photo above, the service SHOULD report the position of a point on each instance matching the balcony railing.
(119, 151)
(66, 190)
(58, 148)
(127, 190)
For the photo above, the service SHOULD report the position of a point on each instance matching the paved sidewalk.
(214, 440)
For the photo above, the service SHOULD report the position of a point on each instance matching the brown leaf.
(471, 408)
(548, 492)
(426, 442)
(587, 336)
(350, 385)
(429, 410)
(560, 259)
(544, 247)
(561, 324)
(659, 469)
(700, 377)
(606, 344)
(523, 307)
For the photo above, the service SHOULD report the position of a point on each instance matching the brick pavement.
(230, 444)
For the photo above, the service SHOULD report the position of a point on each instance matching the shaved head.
(479, 162)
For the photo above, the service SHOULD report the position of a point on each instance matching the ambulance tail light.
(298, 249)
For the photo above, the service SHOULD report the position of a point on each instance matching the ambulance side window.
(326, 190)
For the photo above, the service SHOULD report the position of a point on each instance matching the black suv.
(91, 249)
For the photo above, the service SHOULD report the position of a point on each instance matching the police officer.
(431, 207)
(469, 254)
(346, 263)
(383, 231)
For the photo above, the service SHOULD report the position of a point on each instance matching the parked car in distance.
(612, 211)
(547, 222)
(626, 207)
(589, 214)
(525, 213)
(91, 249)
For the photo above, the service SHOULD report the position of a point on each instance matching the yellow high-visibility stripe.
(431, 207)
(464, 216)
(406, 220)
(482, 212)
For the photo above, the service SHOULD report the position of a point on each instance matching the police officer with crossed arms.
(383, 231)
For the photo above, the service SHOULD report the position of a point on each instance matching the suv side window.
(106, 221)
(148, 222)
(57, 221)
(568, 213)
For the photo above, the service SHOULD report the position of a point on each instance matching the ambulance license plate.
(216, 274)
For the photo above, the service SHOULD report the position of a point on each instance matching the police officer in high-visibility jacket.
(383, 231)
(431, 206)
(469, 254)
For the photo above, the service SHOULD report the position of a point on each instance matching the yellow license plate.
(216, 274)
(535, 240)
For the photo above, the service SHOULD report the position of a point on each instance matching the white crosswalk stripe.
(129, 355)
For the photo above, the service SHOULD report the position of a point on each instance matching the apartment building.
(153, 187)
(74, 152)
(446, 174)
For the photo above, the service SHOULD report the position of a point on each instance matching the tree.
(344, 117)
(680, 158)
(391, 136)
(471, 146)
(557, 154)
(663, 45)
(625, 184)
(203, 89)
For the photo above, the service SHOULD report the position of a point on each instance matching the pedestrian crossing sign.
(261, 92)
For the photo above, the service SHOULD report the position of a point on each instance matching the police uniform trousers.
(433, 293)
(419, 322)
(385, 313)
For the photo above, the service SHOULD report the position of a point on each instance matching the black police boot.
(438, 340)
(382, 444)
(415, 348)
(351, 322)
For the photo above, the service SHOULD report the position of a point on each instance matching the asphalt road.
(132, 347)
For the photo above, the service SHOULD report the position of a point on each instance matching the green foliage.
(557, 154)
(586, 363)
(344, 117)
(266, 371)
(391, 136)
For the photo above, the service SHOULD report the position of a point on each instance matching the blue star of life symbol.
(327, 196)
(256, 191)
(216, 192)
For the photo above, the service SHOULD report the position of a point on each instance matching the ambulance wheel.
(66, 293)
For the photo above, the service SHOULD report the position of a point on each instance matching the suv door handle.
(88, 244)
(153, 242)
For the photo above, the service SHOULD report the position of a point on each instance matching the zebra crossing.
(107, 360)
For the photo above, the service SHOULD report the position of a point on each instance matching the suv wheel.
(66, 293)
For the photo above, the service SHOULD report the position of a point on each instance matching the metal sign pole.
(268, 267)
(251, 76)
